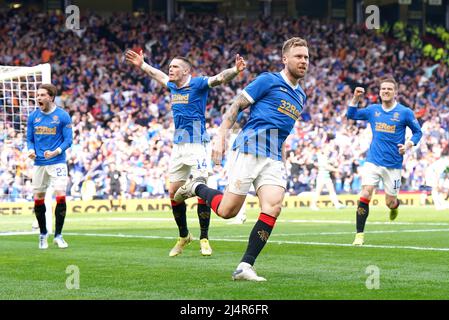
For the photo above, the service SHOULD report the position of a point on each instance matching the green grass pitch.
(309, 256)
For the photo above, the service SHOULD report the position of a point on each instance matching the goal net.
(18, 88)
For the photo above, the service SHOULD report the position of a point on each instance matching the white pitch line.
(13, 233)
(371, 222)
(271, 241)
(278, 220)
(238, 240)
(18, 233)
(348, 232)
(216, 219)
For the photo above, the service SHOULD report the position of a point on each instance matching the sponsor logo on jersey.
(44, 130)
(289, 109)
(179, 98)
(383, 127)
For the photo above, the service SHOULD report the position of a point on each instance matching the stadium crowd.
(121, 116)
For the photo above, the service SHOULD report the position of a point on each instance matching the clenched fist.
(358, 94)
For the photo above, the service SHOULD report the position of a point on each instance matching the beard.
(298, 74)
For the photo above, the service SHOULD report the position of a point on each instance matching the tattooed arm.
(137, 60)
(228, 74)
(229, 118)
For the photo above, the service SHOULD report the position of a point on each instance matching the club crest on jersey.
(395, 117)
(55, 120)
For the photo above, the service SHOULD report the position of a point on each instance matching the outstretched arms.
(228, 74)
(136, 59)
(229, 118)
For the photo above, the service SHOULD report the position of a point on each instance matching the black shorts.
(115, 190)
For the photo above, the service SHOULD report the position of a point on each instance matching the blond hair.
(293, 42)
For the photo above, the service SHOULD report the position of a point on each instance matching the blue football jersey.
(388, 128)
(276, 105)
(47, 132)
(189, 108)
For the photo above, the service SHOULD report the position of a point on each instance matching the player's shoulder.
(62, 112)
(34, 113)
(374, 106)
(403, 108)
(267, 78)
(270, 75)
(171, 85)
(198, 81)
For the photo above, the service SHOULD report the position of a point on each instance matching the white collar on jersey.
(388, 110)
(288, 81)
(187, 82)
(51, 110)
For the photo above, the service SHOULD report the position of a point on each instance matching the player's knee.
(273, 210)
(365, 193)
(277, 209)
(228, 212)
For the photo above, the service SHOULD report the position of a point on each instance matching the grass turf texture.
(308, 256)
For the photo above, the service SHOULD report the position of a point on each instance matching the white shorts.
(323, 179)
(189, 159)
(391, 178)
(54, 175)
(246, 169)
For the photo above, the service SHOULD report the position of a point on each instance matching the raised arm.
(228, 74)
(137, 60)
(229, 118)
(353, 113)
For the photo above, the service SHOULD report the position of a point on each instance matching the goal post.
(18, 90)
